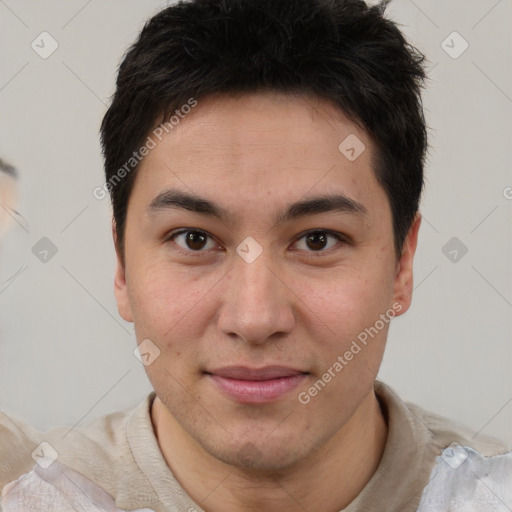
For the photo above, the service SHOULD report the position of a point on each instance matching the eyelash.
(314, 254)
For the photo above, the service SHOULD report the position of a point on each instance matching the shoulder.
(470, 470)
(445, 432)
(432, 430)
(99, 451)
(18, 446)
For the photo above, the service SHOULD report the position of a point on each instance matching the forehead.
(260, 149)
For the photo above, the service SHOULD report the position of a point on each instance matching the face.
(286, 262)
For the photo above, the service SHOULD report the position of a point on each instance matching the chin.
(257, 455)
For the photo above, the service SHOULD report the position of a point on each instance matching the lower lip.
(257, 391)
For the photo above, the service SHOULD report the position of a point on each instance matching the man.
(265, 163)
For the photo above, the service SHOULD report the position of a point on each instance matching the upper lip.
(246, 373)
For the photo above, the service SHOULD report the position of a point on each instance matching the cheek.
(156, 297)
(346, 309)
(348, 299)
(169, 306)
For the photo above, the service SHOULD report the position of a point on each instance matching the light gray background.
(66, 357)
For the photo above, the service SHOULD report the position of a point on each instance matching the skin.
(299, 304)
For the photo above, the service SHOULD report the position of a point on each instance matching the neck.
(326, 481)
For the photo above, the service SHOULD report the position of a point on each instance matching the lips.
(256, 385)
(245, 373)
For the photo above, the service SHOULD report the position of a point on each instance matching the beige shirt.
(119, 454)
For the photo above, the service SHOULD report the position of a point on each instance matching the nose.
(258, 303)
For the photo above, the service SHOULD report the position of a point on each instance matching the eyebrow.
(173, 199)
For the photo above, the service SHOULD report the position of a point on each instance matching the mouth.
(256, 385)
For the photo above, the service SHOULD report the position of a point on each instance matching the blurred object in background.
(8, 195)
(13, 246)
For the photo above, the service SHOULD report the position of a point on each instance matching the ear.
(403, 284)
(120, 287)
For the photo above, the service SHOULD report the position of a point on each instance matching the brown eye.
(191, 240)
(318, 241)
(195, 240)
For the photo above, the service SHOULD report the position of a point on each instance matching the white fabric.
(464, 481)
(57, 488)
